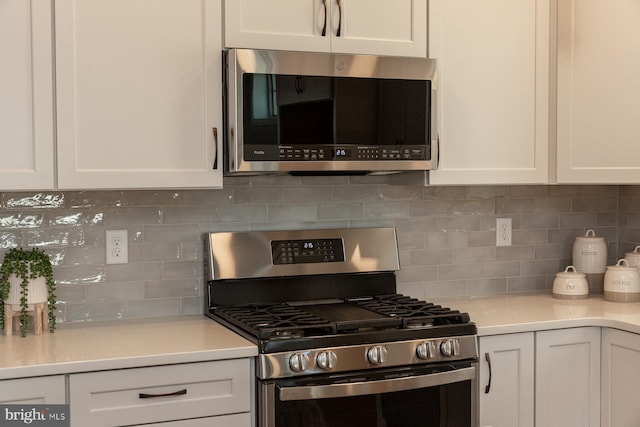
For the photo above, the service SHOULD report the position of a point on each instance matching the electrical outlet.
(117, 247)
(503, 231)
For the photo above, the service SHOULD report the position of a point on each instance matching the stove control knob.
(426, 350)
(299, 362)
(450, 347)
(326, 360)
(377, 354)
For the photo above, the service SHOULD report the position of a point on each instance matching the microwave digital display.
(318, 118)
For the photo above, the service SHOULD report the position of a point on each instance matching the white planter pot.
(36, 292)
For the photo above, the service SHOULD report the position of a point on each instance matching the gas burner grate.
(276, 321)
(413, 312)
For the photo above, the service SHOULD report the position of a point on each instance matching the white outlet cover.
(117, 247)
(503, 231)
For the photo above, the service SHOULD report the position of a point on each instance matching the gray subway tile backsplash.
(446, 235)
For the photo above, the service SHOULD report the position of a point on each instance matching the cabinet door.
(568, 378)
(598, 91)
(378, 27)
(620, 378)
(278, 24)
(138, 93)
(26, 100)
(506, 386)
(381, 27)
(33, 391)
(493, 90)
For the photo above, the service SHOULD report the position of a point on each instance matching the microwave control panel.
(351, 153)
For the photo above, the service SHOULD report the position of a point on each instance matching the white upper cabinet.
(493, 61)
(598, 91)
(138, 93)
(26, 95)
(381, 27)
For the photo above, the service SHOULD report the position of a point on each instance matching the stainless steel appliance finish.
(337, 344)
(237, 255)
(357, 357)
(385, 155)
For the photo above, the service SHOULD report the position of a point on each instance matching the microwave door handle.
(339, 18)
(324, 26)
(375, 387)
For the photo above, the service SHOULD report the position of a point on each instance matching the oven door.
(442, 395)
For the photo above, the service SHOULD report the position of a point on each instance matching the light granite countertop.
(503, 314)
(120, 344)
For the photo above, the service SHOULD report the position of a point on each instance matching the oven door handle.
(375, 387)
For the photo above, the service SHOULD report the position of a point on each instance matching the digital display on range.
(307, 251)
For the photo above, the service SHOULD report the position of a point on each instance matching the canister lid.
(635, 253)
(619, 266)
(570, 271)
(589, 235)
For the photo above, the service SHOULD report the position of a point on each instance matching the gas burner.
(283, 334)
(419, 325)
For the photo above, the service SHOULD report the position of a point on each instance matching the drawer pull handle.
(151, 396)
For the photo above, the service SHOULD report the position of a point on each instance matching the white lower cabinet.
(546, 379)
(568, 378)
(235, 420)
(507, 380)
(187, 395)
(33, 391)
(620, 378)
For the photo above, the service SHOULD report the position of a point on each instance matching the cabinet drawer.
(36, 391)
(159, 393)
(235, 420)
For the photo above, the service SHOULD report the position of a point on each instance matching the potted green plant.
(26, 278)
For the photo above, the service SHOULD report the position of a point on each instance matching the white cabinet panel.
(493, 90)
(138, 93)
(33, 391)
(598, 91)
(568, 378)
(235, 420)
(277, 24)
(380, 27)
(508, 401)
(26, 100)
(620, 378)
(160, 393)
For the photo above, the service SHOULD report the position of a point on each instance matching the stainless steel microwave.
(321, 113)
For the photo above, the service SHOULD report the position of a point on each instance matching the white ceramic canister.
(633, 258)
(622, 283)
(590, 257)
(590, 253)
(570, 284)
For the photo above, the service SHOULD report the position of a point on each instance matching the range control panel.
(307, 251)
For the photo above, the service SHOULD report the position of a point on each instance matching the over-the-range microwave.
(321, 113)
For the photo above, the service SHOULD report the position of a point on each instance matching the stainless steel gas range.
(338, 346)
